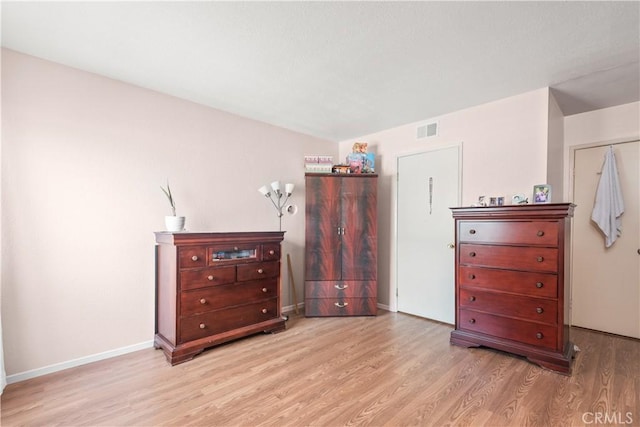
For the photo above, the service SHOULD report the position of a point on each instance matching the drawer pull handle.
(472, 254)
(472, 321)
(235, 248)
(264, 311)
(539, 285)
(341, 287)
(210, 277)
(539, 310)
(264, 290)
(539, 335)
(540, 259)
(272, 252)
(472, 298)
(260, 271)
(202, 326)
(472, 231)
(341, 304)
(540, 233)
(472, 276)
(203, 301)
(194, 258)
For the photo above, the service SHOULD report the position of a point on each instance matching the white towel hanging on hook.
(609, 205)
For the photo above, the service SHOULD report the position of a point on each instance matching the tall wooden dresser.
(341, 245)
(215, 287)
(512, 281)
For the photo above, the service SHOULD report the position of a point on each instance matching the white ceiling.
(339, 70)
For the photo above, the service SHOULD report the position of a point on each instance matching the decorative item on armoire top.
(542, 193)
(360, 160)
(318, 164)
(172, 222)
(275, 196)
(341, 169)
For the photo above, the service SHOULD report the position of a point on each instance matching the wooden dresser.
(341, 245)
(215, 287)
(512, 281)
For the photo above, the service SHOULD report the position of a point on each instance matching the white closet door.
(606, 281)
(428, 185)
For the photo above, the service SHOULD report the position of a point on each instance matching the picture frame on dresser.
(542, 193)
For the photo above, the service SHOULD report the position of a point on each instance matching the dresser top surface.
(186, 237)
(552, 210)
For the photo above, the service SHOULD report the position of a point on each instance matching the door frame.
(572, 169)
(393, 274)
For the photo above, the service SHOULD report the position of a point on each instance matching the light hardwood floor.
(391, 370)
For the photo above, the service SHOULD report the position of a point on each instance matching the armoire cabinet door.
(322, 236)
(359, 228)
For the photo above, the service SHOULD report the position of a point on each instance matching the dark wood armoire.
(341, 245)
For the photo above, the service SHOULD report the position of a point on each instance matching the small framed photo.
(542, 193)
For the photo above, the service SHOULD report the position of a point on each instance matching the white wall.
(504, 153)
(620, 122)
(555, 151)
(83, 158)
(3, 375)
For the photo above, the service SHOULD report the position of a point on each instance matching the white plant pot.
(174, 223)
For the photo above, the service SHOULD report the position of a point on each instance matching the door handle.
(451, 246)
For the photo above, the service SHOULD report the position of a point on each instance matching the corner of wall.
(556, 164)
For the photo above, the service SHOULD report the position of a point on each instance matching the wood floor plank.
(388, 370)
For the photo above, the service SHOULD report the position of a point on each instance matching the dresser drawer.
(341, 289)
(270, 252)
(202, 277)
(258, 270)
(214, 298)
(340, 307)
(523, 307)
(519, 282)
(510, 257)
(215, 322)
(192, 257)
(536, 334)
(543, 233)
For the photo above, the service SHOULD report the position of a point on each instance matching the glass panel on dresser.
(218, 254)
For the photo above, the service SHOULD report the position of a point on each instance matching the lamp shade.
(288, 188)
(264, 191)
(276, 186)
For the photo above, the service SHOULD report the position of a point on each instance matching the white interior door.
(428, 185)
(606, 281)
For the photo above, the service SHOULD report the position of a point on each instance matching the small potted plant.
(172, 222)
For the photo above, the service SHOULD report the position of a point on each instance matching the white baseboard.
(291, 308)
(383, 307)
(21, 376)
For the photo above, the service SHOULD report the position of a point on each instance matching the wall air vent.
(427, 130)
